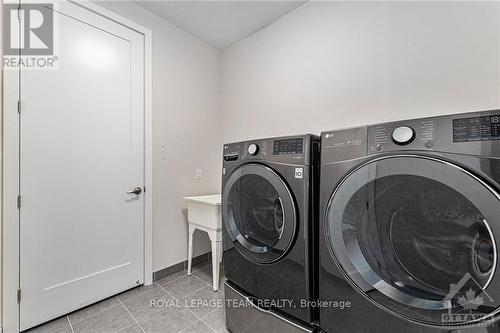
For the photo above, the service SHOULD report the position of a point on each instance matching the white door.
(81, 233)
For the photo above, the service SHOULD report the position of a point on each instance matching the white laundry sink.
(205, 211)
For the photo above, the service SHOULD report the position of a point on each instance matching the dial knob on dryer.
(253, 149)
(403, 135)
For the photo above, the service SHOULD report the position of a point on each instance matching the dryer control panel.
(417, 134)
(471, 129)
(474, 133)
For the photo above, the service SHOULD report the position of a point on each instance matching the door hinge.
(18, 295)
(144, 189)
(19, 13)
(18, 202)
(19, 106)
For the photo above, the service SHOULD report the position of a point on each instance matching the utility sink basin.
(205, 211)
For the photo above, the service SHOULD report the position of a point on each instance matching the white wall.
(186, 129)
(325, 65)
(328, 65)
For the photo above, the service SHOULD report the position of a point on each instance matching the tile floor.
(185, 304)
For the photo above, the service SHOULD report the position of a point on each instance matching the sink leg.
(190, 248)
(216, 239)
(216, 259)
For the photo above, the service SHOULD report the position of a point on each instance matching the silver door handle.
(136, 191)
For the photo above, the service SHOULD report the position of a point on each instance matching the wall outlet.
(198, 174)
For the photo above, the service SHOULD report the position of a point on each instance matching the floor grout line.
(180, 277)
(155, 310)
(93, 314)
(131, 298)
(198, 317)
(131, 315)
(205, 316)
(210, 313)
(70, 326)
(201, 280)
(206, 284)
(204, 322)
(211, 282)
(169, 294)
(176, 279)
(185, 328)
(194, 292)
(124, 328)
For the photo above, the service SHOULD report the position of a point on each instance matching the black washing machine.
(268, 191)
(410, 225)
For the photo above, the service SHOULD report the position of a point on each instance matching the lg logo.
(28, 30)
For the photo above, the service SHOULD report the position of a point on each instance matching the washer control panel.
(292, 149)
(292, 146)
(403, 135)
(483, 128)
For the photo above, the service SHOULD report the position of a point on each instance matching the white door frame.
(10, 213)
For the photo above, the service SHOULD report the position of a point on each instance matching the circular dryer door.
(259, 213)
(416, 235)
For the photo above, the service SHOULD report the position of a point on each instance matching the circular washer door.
(416, 235)
(259, 213)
